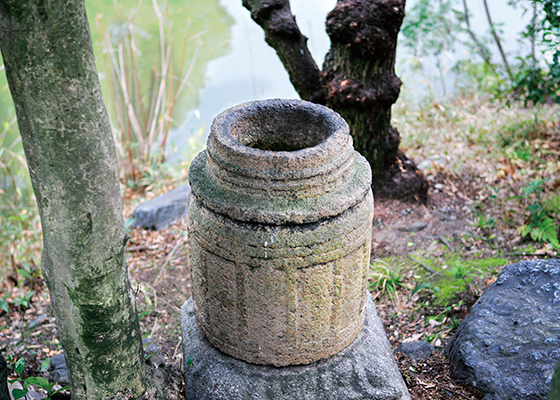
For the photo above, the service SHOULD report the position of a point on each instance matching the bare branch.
(497, 39)
(483, 53)
(283, 34)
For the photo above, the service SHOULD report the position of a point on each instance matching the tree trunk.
(358, 79)
(4, 394)
(47, 52)
(555, 389)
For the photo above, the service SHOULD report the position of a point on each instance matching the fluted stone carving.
(279, 233)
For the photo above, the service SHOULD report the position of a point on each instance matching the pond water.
(251, 69)
(234, 63)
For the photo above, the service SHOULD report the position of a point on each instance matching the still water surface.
(251, 69)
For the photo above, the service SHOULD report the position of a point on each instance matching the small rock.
(33, 395)
(14, 385)
(58, 361)
(443, 216)
(417, 351)
(57, 370)
(162, 211)
(415, 227)
(152, 353)
(37, 321)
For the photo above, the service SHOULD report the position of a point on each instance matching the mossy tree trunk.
(47, 52)
(555, 389)
(358, 79)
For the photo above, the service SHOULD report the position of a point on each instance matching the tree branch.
(485, 56)
(497, 39)
(284, 36)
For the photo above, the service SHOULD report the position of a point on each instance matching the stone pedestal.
(365, 370)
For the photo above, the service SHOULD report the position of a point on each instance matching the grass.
(472, 129)
(384, 280)
(452, 276)
(459, 277)
(434, 302)
(505, 147)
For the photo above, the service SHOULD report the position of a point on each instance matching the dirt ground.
(160, 276)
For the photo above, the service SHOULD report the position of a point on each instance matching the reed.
(15, 187)
(142, 110)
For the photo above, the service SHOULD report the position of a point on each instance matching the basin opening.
(281, 129)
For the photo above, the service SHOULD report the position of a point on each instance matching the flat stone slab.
(509, 344)
(364, 370)
(162, 211)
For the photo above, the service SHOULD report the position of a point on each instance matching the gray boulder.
(364, 370)
(162, 211)
(509, 344)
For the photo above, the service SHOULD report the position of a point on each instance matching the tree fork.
(47, 52)
(358, 79)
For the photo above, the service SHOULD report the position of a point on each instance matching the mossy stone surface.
(280, 239)
(366, 369)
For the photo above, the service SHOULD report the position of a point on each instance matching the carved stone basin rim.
(280, 133)
(296, 154)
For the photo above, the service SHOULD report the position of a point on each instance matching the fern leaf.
(524, 230)
(547, 232)
(553, 204)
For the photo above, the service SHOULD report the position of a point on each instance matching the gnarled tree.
(358, 79)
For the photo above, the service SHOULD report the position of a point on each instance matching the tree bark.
(555, 389)
(4, 394)
(47, 52)
(358, 80)
(283, 35)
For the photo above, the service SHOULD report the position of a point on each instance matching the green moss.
(455, 275)
(106, 332)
